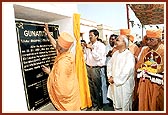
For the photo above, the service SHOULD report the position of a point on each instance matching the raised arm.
(51, 39)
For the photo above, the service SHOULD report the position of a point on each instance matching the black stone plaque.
(35, 50)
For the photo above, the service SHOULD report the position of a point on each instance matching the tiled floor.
(50, 107)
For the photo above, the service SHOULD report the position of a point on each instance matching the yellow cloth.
(63, 84)
(160, 51)
(81, 67)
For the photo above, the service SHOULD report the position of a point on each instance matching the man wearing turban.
(150, 72)
(132, 47)
(62, 82)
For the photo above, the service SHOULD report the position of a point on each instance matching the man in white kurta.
(120, 72)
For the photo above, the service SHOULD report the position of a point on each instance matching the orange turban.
(131, 38)
(156, 33)
(65, 40)
(125, 31)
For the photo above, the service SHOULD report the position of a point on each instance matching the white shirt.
(108, 48)
(97, 56)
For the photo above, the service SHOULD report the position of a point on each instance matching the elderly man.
(62, 82)
(135, 51)
(120, 72)
(150, 69)
(132, 47)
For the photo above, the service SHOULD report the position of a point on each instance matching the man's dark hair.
(95, 32)
(98, 39)
(83, 41)
(114, 35)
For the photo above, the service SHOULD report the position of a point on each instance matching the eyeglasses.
(151, 39)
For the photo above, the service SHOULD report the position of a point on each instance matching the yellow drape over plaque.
(81, 67)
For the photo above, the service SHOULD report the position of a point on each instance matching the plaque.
(35, 50)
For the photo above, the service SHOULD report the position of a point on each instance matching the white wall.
(13, 94)
(85, 27)
(65, 9)
(85, 30)
(108, 33)
(65, 25)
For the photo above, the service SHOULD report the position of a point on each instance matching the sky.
(111, 14)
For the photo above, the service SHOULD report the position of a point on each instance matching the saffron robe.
(134, 49)
(63, 85)
(151, 95)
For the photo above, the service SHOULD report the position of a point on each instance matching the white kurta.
(121, 68)
(108, 48)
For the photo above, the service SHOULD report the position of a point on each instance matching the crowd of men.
(130, 77)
